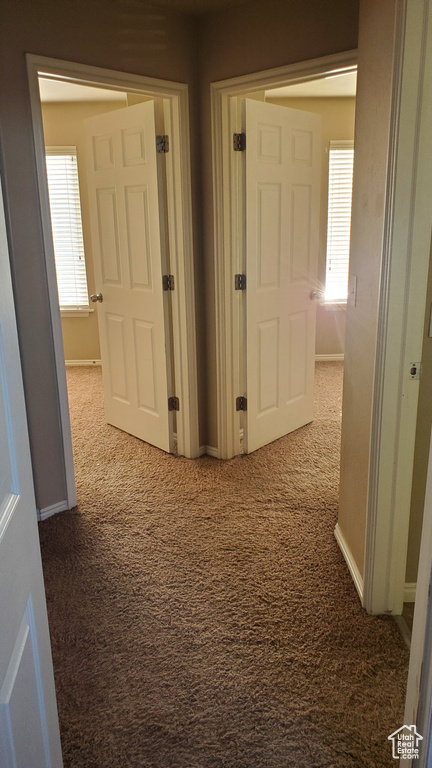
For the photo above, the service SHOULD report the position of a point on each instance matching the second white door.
(122, 175)
(282, 220)
(29, 729)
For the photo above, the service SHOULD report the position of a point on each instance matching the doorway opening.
(229, 234)
(121, 180)
(127, 92)
(295, 189)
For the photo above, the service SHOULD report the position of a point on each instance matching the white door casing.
(29, 732)
(282, 187)
(122, 177)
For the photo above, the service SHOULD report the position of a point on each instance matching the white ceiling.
(58, 90)
(340, 86)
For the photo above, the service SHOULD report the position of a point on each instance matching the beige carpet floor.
(201, 613)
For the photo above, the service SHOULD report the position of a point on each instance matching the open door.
(122, 176)
(29, 732)
(282, 226)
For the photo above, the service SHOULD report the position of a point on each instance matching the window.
(63, 189)
(341, 162)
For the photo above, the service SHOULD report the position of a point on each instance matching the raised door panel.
(302, 144)
(300, 239)
(108, 236)
(138, 236)
(103, 152)
(133, 143)
(269, 210)
(268, 366)
(269, 143)
(146, 370)
(297, 337)
(22, 730)
(115, 334)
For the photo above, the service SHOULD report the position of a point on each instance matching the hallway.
(201, 613)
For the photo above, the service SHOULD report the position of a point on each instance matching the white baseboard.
(410, 592)
(46, 512)
(329, 358)
(83, 362)
(351, 563)
(403, 629)
(211, 451)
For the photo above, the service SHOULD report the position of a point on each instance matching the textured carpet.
(201, 613)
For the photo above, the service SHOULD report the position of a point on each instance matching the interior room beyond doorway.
(333, 98)
(118, 202)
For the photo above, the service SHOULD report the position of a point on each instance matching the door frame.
(228, 225)
(180, 234)
(402, 309)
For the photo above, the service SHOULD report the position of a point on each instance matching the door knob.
(96, 297)
(315, 295)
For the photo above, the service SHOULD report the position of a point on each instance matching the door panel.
(137, 221)
(126, 232)
(268, 364)
(145, 356)
(109, 241)
(29, 733)
(282, 219)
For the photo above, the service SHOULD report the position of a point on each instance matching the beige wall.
(119, 35)
(338, 117)
(376, 33)
(249, 39)
(63, 126)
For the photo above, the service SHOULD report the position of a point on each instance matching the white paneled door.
(122, 177)
(29, 732)
(282, 222)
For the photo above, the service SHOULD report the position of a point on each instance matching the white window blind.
(341, 163)
(64, 199)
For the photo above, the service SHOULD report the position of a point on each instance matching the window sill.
(334, 306)
(76, 312)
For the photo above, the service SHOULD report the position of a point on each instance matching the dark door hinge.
(173, 404)
(168, 282)
(240, 282)
(162, 144)
(241, 404)
(239, 142)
